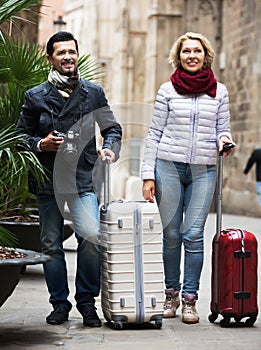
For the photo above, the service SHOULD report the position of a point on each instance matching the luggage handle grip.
(226, 147)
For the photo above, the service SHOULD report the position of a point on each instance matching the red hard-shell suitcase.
(234, 270)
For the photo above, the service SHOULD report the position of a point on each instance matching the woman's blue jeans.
(84, 214)
(184, 194)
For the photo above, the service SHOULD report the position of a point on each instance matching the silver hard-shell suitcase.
(132, 289)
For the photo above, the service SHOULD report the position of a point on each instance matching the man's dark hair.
(57, 37)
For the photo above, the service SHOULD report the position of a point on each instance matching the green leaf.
(7, 238)
(5, 74)
(9, 7)
(90, 69)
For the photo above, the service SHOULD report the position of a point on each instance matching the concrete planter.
(12, 269)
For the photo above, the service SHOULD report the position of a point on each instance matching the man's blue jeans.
(184, 194)
(84, 213)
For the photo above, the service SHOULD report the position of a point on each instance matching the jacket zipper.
(194, 116)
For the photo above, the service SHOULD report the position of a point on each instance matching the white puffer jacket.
(186, 128)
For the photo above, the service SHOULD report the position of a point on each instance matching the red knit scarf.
(201, 82)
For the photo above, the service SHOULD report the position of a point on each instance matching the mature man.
(58, 118)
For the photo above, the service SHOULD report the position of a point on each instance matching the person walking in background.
(255, 158)
(58, 119)
(191, 121)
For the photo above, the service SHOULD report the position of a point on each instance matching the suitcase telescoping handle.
(107, 184)
(226, 147)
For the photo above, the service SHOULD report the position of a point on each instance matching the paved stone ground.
(23, 326)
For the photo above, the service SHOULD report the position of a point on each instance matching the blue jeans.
(84, 213)
(184, 194)
(258, 191)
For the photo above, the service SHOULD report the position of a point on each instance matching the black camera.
(70, 147)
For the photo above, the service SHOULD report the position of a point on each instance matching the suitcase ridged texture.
(132, 269)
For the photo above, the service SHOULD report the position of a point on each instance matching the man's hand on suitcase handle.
(225, 146)
(106, 154)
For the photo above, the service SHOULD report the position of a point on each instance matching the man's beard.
(71, 74)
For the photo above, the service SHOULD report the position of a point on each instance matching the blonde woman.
(191, 121)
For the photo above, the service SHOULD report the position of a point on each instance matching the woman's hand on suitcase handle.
(149, 190)
(105, 153)
(224, 140)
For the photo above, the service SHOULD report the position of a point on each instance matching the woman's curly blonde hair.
(174, 55)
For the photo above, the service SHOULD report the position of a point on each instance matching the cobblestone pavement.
(23, 326)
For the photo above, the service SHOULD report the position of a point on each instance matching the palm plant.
(14, 165)
(26, 66)
(22, 66)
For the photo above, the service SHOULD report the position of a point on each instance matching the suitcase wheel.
(250, 321)
(212, 317)
(158, 324)
(237, 319)
(118, 325)
(225, 322)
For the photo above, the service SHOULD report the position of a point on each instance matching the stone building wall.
(51, 12)
(241, 45)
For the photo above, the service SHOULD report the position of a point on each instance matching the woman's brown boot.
(189, 312)
(171, 303)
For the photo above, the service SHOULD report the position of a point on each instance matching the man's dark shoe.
(59, 314)
(89, 314)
